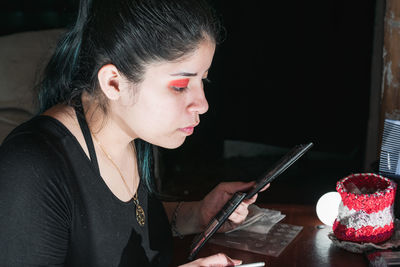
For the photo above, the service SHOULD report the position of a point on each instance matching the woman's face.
(165, 107)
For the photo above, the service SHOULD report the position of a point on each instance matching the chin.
(172, 145)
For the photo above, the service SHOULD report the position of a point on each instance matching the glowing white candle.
(327, 207)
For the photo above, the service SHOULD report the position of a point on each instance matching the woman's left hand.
(216, 199)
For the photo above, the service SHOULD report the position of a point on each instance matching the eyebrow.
(187, 74)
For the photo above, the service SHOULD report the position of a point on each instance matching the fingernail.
(237, 262)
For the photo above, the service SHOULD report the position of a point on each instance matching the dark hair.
(128, 34)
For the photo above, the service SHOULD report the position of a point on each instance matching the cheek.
(161, 128)
(166, 107)
(161, 115)
(159, 124)
(157, 114)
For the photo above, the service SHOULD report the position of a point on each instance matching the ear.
(110, 80)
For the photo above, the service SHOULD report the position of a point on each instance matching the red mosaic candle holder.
(366, 211)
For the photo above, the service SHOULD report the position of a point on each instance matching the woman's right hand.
(217, 260)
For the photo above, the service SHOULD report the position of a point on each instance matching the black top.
(56, 210)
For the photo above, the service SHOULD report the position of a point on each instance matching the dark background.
(288, 72)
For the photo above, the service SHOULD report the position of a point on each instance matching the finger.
(241, 210)
(265, 188)
(239, 217)
(250, 200)
(219, 259)
(254, 198)
(233, 187)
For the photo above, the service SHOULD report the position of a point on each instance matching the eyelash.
(181, 89)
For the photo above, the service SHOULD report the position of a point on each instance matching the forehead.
(198, 61)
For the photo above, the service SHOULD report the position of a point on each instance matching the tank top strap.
(87, 135)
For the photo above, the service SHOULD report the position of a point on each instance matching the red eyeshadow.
(179, 83)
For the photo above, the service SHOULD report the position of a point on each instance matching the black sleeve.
(35, 206)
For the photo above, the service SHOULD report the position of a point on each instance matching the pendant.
(140, 216)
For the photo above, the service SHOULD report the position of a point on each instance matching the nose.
(199, 102)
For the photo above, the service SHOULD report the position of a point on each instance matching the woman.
(75, 182)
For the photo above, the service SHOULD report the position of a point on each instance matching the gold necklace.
(140, 216)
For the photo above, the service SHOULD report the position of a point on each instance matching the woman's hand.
(217, 260)
(217, 198)
(193, 217)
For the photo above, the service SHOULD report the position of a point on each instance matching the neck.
(115, 152)
(114, 139)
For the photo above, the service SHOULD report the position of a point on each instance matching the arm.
(34, 216)
(187, 216)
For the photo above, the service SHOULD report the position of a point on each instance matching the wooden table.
(311, 247)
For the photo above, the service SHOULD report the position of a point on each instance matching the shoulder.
(33, 173)
(32, 149)
(39, 133)
(35, 193)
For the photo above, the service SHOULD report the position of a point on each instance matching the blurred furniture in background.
(23, 57)
(28, 33)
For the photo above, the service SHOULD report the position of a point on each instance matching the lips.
(188, 130)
